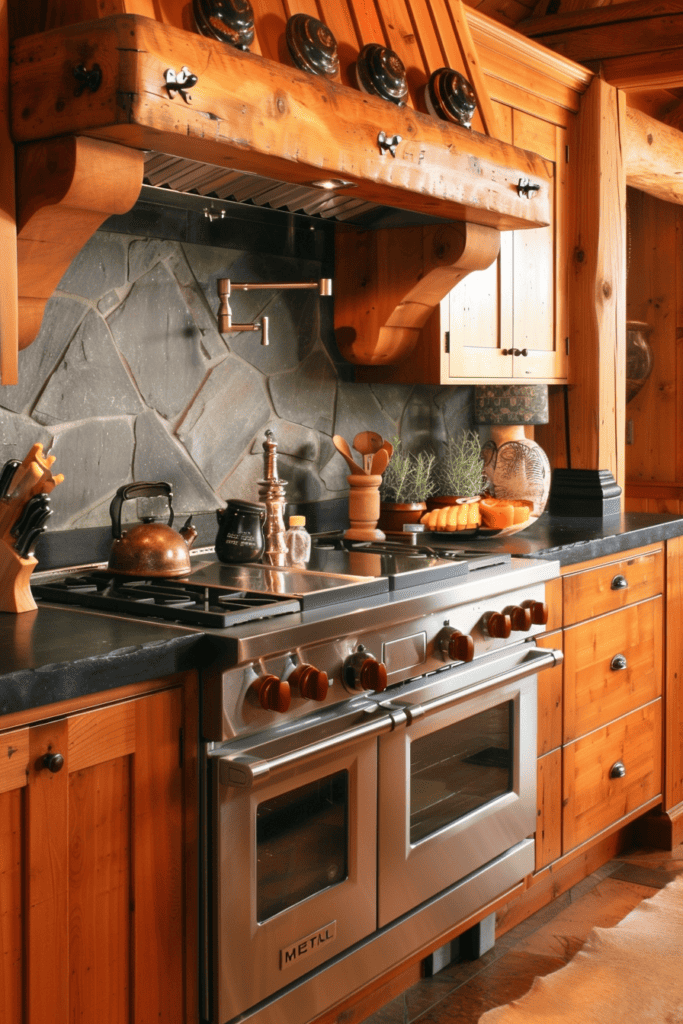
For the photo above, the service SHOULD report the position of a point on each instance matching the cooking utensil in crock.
(380, 461)
(342, 447)
(366, 444)
(149, 548)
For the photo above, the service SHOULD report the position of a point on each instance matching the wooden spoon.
(342, 447)
(366, 444)
(380, 461)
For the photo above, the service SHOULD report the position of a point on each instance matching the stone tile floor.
(546, 941)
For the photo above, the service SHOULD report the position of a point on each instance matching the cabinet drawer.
(613, 665)
(592, 799)
(608, 587)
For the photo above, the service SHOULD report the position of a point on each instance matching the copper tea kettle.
(149, 548)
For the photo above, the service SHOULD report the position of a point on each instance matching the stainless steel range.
(369, 751)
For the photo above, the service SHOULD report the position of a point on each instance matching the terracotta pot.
(443, 500)
(392, 515)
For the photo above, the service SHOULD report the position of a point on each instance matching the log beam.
(653, 156)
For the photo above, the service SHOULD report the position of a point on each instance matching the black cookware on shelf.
(229, 21)
(312, 46)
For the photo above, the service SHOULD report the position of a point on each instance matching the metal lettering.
(302, 948)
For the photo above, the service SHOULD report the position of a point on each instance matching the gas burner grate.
(173, 600)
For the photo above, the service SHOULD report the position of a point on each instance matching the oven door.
(293, 856)
(458, 786)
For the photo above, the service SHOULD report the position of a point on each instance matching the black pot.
(240, 533)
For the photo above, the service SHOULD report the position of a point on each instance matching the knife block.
(15, 580)
(364, 507)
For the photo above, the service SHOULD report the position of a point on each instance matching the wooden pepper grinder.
(364, 507)
(272, 493)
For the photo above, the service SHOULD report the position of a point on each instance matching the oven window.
(301, 843)
(459, 768)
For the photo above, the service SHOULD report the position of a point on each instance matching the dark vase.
(392, 515)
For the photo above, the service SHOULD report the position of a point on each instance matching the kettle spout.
(189, 533)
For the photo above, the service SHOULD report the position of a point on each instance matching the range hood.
(96, 110)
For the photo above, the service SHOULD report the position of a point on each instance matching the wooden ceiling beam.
(653, 156)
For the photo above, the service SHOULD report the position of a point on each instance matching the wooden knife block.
(364, 507)
(15, 580)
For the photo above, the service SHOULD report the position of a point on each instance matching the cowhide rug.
(629, 974)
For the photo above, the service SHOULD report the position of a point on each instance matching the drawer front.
(608, 587)
(613, 665)
(592, 798)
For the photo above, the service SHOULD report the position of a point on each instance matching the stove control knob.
(520, 618)
(362, 671)
(539, 612)
(455, 645)
(273, 694)
(310, 682)
(498, 625)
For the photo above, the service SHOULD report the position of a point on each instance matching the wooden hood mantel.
(246, 112)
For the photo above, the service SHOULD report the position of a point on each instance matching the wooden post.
(597, 291)
(8, 230)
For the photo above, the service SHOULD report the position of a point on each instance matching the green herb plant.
(460, 470)
(408, 478)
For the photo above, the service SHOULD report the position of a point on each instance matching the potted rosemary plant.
(406, 485)
(459, 472)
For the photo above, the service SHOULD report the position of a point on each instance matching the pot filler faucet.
(226, 287)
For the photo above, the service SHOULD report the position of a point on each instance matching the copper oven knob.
(362, 671)
(456, 645)
(539, 612)
(520, 618)
(498, 625)
(310, 682)
(274, 694)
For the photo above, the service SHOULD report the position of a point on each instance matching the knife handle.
(6, 475)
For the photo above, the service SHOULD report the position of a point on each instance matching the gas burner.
(171, 599)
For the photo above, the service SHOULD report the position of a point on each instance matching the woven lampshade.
(511, 404)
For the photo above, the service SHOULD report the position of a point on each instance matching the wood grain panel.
(99, 890)
(591, 799)
(11, 907)
(399, 31)
(14, 759)
(549, 808)
(368, 23)
(102, 735)
(47, 878)
(673, 742)
(8, 229)
(595, 692)
(590, 592)
(338, 19)
(158, 828)
(550, 683)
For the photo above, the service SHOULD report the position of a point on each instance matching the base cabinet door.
(91, 866)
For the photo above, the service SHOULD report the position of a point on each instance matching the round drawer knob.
(619, 582)
(53, 762)
(618, 770)
(618, 663)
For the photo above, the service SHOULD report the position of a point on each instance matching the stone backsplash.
(129, 379)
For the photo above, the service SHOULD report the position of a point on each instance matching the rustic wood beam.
(597, 294)
(389, 282)
(265, 118)
(8, 231)
(66, 188)
(653, 156)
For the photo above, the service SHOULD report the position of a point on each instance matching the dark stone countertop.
(58, 653)
(570, 540)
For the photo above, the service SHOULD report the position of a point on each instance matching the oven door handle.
(243, 770)
(537, 659)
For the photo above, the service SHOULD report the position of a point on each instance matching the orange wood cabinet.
(93, 865)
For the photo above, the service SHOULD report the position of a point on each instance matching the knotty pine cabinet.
(94, 865)
(600, 712)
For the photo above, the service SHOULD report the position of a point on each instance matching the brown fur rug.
(629, 974)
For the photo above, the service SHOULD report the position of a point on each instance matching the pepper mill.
(364, 507)
(272, 493)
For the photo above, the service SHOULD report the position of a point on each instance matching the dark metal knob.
(539, 612)
(520, 617)
(456, 645)
(90, 80)
(273, 694)
(53, 762)
(380, 72)
(362, 671)
(619, 583)
(310, 682)
(618, 770)
(498, 625)
(525, 188)
(618, 663)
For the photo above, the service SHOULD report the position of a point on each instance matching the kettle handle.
(138, 490)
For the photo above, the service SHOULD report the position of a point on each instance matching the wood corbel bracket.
(379, 311)
(66, 188)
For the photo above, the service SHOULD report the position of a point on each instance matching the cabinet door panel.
(11, 886)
